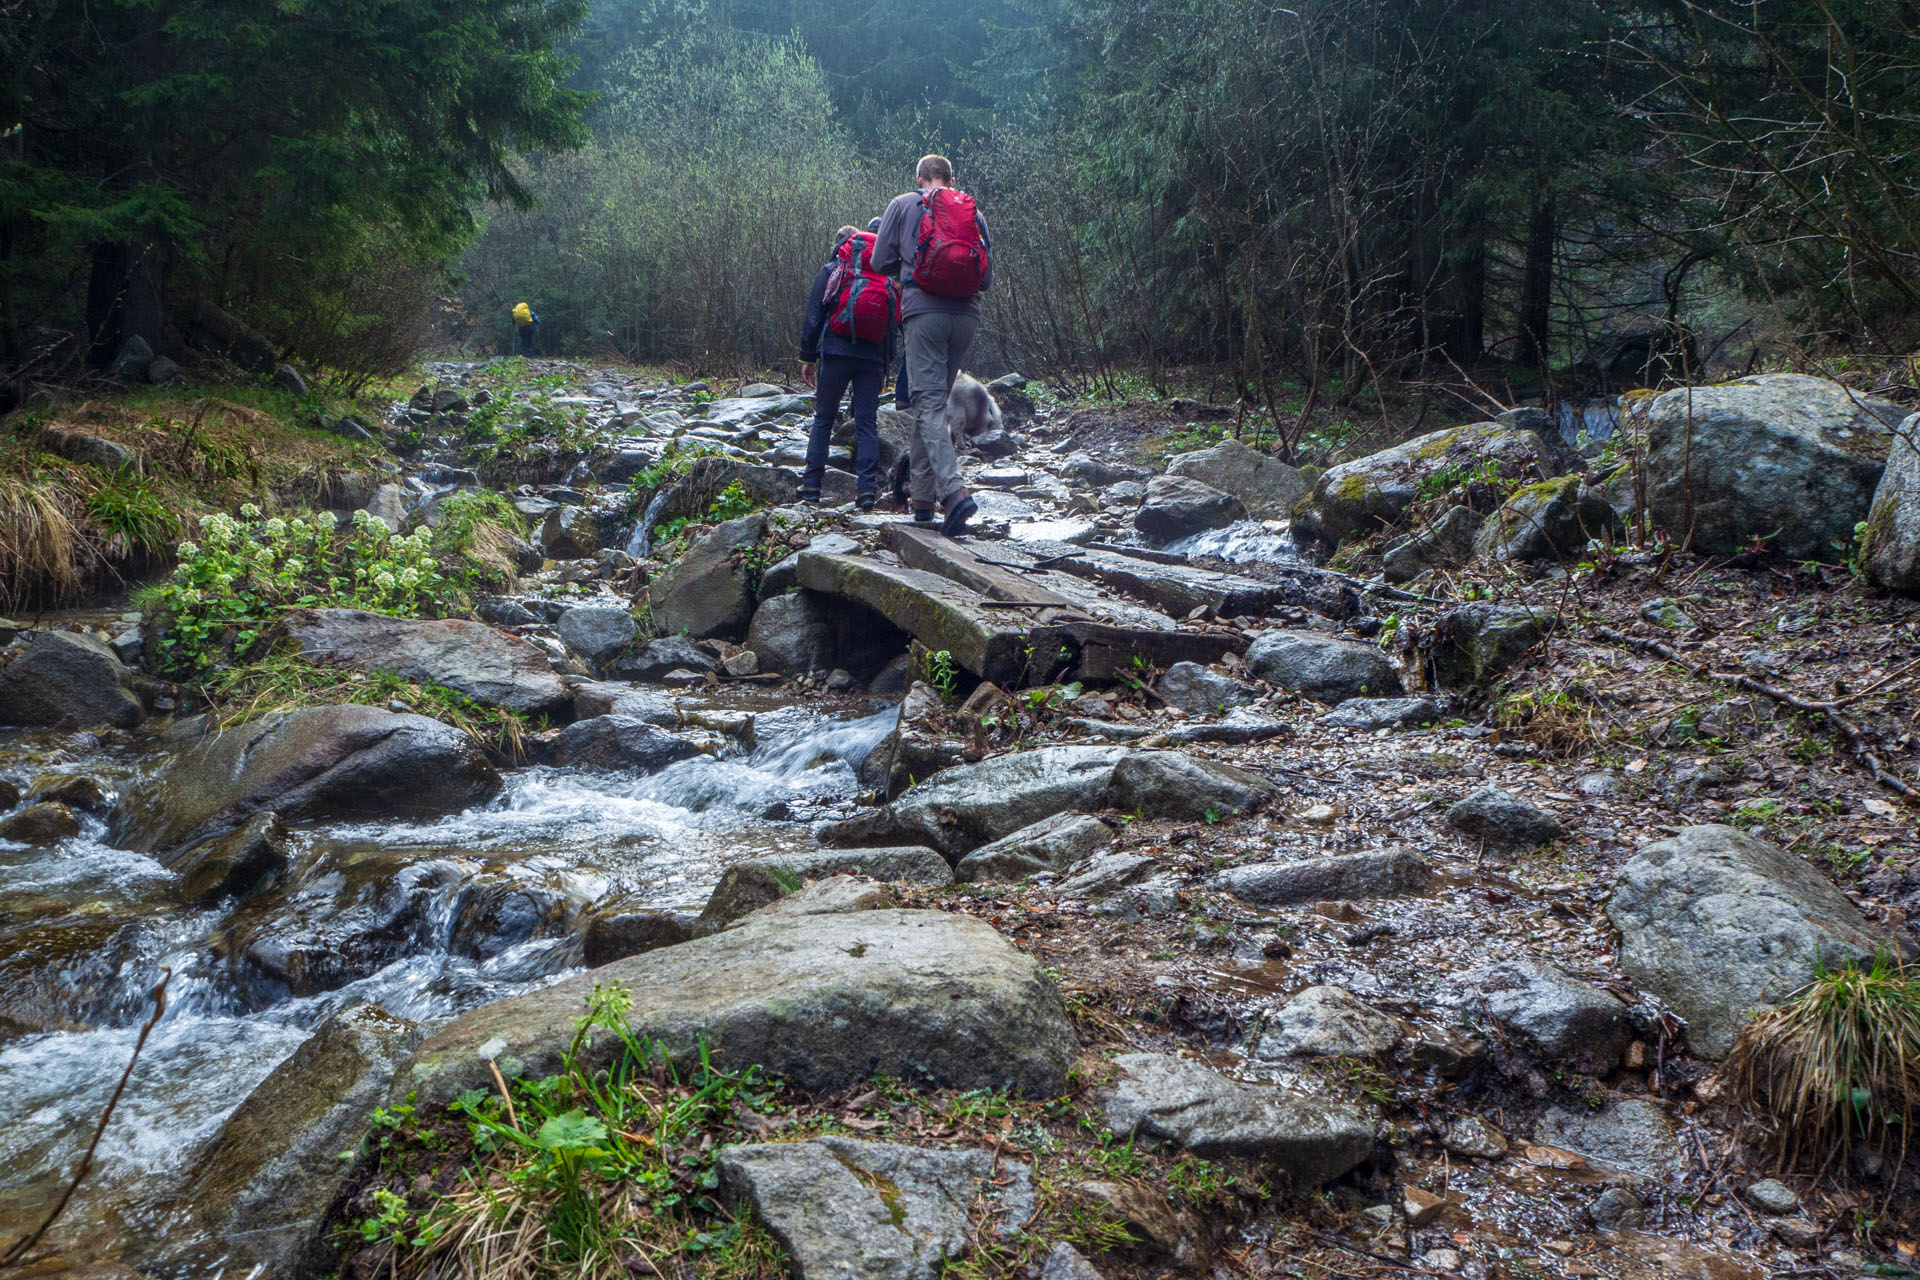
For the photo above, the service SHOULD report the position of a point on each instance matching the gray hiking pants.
(937, 347)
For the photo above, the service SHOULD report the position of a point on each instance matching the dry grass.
(44, 543)
(1557, 722)
(1838, 1063)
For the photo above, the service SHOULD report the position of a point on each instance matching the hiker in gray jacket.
(937, 242)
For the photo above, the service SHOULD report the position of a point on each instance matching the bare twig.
(17, 1252)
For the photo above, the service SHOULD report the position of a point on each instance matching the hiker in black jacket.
(843, 363)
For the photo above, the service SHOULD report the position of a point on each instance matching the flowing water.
(425, 918)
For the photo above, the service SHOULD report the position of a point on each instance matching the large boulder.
(1718, 924)
(1476, 642)
(1373, 493)
(620, 742)
(318, 762)
(261, 1186)
(708, 591)
(65, 680)
(1447, 543)
(924, 995)
(1551, 520)
(1168, 784)
(1266, 486)
(1051, 844)
(597, 632)
(488, 666)
(1558, 1015)
(1504, 820)
(1321, 666)
(1890, 546)
(796, 634)
(1631, 1135)
(574, 533)
(850, 1210)
(1328, 1022)
(1202, 690)
(1780, 456)
(964, 808)
(1176, 507)
(1189, 1104)
(757, 882)
(658, 658)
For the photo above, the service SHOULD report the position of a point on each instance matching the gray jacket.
(897, 242)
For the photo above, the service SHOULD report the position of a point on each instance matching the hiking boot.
(809, 496)
(922, 515)
(963, 510)
(865, 501)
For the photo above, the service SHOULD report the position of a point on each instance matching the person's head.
(840, 236)
(873, 225)
(934, 171)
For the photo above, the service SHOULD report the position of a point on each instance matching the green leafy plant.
(942, 674)
(134, 517)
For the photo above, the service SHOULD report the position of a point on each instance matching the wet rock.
(1065, 1263)
(1391, 873)
(708, 591)
(1329, 1022)
(1617, 1209)
(1373, 714)
(388, 505)
(1374, 492)
(1421, 1206)
(873, 1210)
(488, 666)
(1479, 641)
(1048, 845)
(1310, 1140)
(1236, 728)
(1552, 520)
(1770, 1195)
(1168, 784)
(1499, 818)
(747, 886)
(1128, 493)
(1718, 924)
(1203, 691)
(926, 739)
(9, 794)
(1631, 1135)
(1100, 473)
(1559, 1016)
(346, 761)
(499, 912)
(621, 743)
(1474, 1137)
(929, 995)
(1782, 456)
(75, 790)
(1322, 667)
(573, 533)
(1109, 873)
(597, 632)
(1176, 508)
(619, 929)
(262, 1184)
(796, 634)
(65, 680)
(1266, 486)
(46, 823)
(785, 575)
(244, 861)
(1890, 544)
(966, 807)
(655, 659)
(602, 698)
(1447, 543)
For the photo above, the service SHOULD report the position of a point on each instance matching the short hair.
(934, 167)
(840, 236)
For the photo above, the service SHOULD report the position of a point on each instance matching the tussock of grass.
(42, 548)
(1838, 1063)
(1558, 723)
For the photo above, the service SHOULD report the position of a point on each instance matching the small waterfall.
(641, 540)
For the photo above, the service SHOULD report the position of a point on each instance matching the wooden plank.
(939, 613)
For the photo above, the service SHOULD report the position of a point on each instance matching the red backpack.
(861, 303)
(953, 255)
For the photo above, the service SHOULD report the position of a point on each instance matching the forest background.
(1309, 200)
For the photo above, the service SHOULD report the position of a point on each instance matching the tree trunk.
(126, 295)
(1536, 281)
(1468, 338)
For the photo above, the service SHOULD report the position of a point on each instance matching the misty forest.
(1012, 640)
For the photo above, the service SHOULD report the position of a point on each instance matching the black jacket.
(817, 340)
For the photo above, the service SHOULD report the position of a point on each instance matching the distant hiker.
(527, 321)
(937, 241)
(852, 312)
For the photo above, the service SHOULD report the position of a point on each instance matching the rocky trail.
(1125, 890)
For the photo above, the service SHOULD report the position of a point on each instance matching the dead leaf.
(1554, 1158)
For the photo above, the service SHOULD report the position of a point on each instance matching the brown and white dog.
(970, 412)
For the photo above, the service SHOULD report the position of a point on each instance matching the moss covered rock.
(1890, 544)
(1552, 520)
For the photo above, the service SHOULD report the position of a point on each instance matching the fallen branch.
(1829, 711)
(17, 1252)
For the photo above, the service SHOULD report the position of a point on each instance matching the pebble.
(1421, 1207)
(1772, 1196)
(1320, 815)
(1795, 1231)
(1442, 1260)
(1617, 1209)
(1472, 1136)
